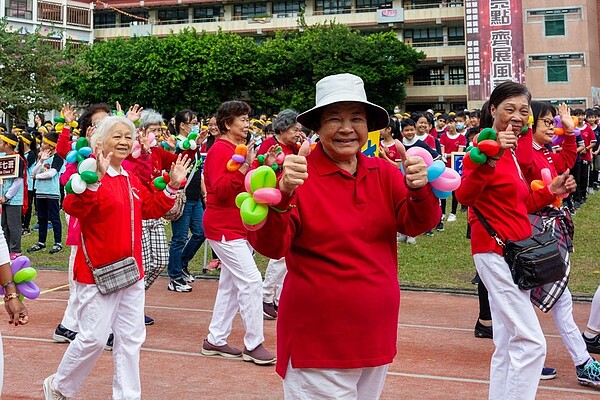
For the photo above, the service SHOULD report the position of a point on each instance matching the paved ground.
(438, 357)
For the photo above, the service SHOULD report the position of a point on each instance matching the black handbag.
(534, 261)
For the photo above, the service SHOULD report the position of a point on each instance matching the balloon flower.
(86, 175)
(23, 276)
(238, 158)
(260, 193)
(547, 180)
(559, 128)
(484, 146)
(162, 181)
(278, 160)
(60, 122)
(443, 180)
(189, 143)
(80, 151)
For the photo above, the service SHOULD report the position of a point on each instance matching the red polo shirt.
(340, 300)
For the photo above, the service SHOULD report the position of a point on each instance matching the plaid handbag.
(117, 275)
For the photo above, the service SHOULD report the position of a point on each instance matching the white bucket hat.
(342, 88)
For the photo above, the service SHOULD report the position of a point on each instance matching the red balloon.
(166, 177)
(489, 147)
(468, 163)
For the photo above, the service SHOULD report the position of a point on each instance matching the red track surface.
(438, 356)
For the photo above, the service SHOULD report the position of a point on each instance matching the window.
(208, 13)
(126, 19)
(333, 6)
(554, 25)
(456, 35)
(287, 8)
(557, 71)
(20, 9)
(105, 19)
(250, 10)
(457, 75)
(436, 76)
(173, 15)
(372, 5)
(426, 36)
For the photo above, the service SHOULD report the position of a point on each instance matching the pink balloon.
(280, 158)
(420, 152)
(19, 263)
(270, 196)
(29, 290)
(151, 139)
(448, 181)
(247, 181)
(254, 227)
(238, 158)
(547, 176)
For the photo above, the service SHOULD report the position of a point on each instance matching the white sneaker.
(400, 238)
(443, 217)
(411, 240)
(590, 190)
(451, 218)
(49, 392)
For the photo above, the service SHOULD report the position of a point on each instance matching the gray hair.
(285, 119)
(150, 117)
(107, 124)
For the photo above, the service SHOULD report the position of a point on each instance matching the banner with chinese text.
(495, 50)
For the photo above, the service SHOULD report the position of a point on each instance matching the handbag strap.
(488, 228)
(85, 253)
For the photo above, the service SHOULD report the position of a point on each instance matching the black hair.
(19, 146)
(184, 116)
(407, 122)
(539, 109)
(577, 111)
(85, 120)
(228, 111)
(31, 138)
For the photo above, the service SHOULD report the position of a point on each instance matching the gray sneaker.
(226, 350)
(259, 356)
(49, 392)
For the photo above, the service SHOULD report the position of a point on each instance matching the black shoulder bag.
(534, 261)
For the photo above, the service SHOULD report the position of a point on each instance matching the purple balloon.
(238, 158)
(557, 122)
(557, 140)
(19, 263)
(29, 290)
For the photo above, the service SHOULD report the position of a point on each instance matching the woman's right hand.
(565, 117)
(295, 169)
(507, 139)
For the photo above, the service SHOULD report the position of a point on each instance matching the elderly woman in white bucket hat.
(336, 226)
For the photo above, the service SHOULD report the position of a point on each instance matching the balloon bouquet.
(23, 276)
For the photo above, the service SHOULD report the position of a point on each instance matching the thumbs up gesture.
(507, 139)
(295, 170)
(415, 169)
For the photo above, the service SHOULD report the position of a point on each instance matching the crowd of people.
(185, 170)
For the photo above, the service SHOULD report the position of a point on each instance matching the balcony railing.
(79, 16)
(459, 42)
(438, 82)
(439, 4)
(51, 12)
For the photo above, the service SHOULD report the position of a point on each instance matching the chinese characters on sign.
(8, 166)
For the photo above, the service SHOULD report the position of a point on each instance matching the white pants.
(69, 320)
(123, 312)
(568, 329)
(594, 321)
(1, 365)
(240, 286)
(274, 275)
(334, 384)
(520, 344)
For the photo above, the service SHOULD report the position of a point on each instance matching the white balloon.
(77, 184)
(89, 164)
(193, 145)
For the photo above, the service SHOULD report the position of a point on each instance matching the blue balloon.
(441, 194)
(435, 170)
(85, 151)
(72, 156)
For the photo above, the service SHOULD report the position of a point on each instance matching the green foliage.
(201, 70)
(28, 73)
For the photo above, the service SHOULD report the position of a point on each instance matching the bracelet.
(171, 189)
(10, 296)
(9, 283)
(290, 207)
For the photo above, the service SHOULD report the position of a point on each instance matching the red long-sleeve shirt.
(556, 162)
(340, 300)
(222, 217)
(105, 219)
(503, 196)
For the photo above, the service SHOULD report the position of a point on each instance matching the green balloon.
(261, 159)
(240, 198)
(25, 275)
(275, 167)
(80, 158)
(253, 213)
(160, 183)
(81, 142)
(192, 136)
(487, 133)
(68, 188)
(263, 177)
(89, 177)
(477, 156)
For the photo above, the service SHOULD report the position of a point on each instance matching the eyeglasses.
(548, 122)
(193, 123)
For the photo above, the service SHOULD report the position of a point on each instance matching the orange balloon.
(233, 166)
(557, 203)
(559, 131)
(241, 150)
(537, 185)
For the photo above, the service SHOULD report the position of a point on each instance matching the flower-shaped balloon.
(190, 141)
(278, 161)
(23, 276)
(238, 158)
(60, 122)
(484, 146)
(162, 181)
(443, 180)
(547, 180)
(80, 151)
(260, 193)
(86, 175)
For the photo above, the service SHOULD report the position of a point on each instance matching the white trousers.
(594, 321)
(273, 283)
(562, 312)
(520, 344)
(240, 286)
(69, 320)
(123, 312)
(334, 384)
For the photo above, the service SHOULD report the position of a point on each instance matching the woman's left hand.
(271, 155)
(415, 169)
(563, 184)
(134, 113)
(565, 117)
(17, 312)
(179, 170)
(102, 162)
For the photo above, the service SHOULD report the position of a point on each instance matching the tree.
(201, 70)
(28, 73)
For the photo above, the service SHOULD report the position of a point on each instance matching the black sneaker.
(269, 311)
(593, 344)
(63, 335)
(548, 373)
(179, 285)
(36, 247)
(483, 332)
(56, 248)
(148, 320)
(25, 232)
(187, 277)
(109, 343)
(429, 233)
(440, 227)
